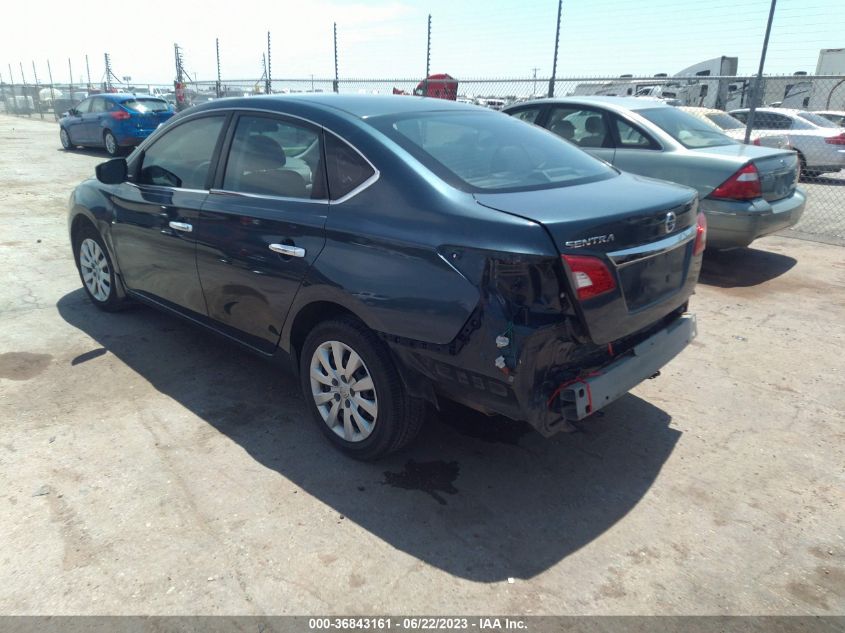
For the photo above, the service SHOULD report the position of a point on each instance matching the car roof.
(125, 96)
(361, 106)
(625, 103)
(700, 110)
(786, 111)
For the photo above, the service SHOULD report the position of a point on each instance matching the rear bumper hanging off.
(577, 399)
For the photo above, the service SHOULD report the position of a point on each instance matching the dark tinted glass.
(529, 115)
(182, 156)
(487, 151)
(274, 157)
(346, 168)
(146, 105)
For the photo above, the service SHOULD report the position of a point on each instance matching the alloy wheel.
(63, 135)
(111, 144)
(343, 391)
(96, 273)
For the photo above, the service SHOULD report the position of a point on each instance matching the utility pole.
(427, 57)
(179, 84)
(12, 86)
(88, 70)
(534, 92)
(557, 41)
(219, 85)
(70, 73)
(268, 85)
(336, 86)
(758, 84)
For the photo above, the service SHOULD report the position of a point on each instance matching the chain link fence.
(802, 112)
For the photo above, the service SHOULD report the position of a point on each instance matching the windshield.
(815, 119)
(725, 121)
(688, 130)
(487, 151)
(146, 105)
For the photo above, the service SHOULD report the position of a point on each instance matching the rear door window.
(181, 158)
(84, 107)
(274, 157)
(585, 127)
(98, 105)
(529, 115)
(347, 169)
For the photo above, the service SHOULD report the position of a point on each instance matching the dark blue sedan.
(113, 121)
(399, 252)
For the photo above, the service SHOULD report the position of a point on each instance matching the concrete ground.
(147, 467)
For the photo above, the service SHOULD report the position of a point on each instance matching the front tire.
(96, 271)
(110, 143)
(354, 391)
(64, 137)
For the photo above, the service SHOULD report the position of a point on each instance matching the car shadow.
(86, 151)
(824, 180)
(481, 498)
(743, 267)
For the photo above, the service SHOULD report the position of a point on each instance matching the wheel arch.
(308, 315)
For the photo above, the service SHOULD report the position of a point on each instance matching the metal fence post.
(554, 59)
(23, 91)
(219, 85)
(758, 83)
(52, 91)
(427, 58)
(37, 96)
(268, 84)
(335, 85)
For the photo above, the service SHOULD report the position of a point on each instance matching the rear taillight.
(700, 235)
(743, 185)
(756, 141)
(120, 115)
(836, 140)
(590, 274)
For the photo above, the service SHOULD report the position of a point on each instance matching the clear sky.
(386, 38)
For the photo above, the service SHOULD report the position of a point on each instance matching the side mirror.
(112, 172)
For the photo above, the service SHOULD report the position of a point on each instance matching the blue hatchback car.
(113, 121)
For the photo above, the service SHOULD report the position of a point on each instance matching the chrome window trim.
(163, 187)
(635, 254)
(364, 185)
(261, 196)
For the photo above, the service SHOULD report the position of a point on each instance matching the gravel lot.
(148, 467)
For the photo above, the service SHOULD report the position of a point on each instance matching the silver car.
(820, 143)
(746, 191)
(733, 127)
(836, 117)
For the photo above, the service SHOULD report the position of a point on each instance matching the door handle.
(180, 226)
(288, 250)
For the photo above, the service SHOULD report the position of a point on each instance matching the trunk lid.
(778, 169)
(641, 229)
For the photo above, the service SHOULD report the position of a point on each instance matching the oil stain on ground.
(431, 477)
(23, 365)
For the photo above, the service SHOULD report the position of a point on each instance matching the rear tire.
(365, 423)
(97, 271)
(110, 143)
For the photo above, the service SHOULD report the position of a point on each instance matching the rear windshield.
(145, 105)
(725, 121)
(688, 130)
(488, 151)
(815, 119)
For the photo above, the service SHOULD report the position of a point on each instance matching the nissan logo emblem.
(671, 220)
